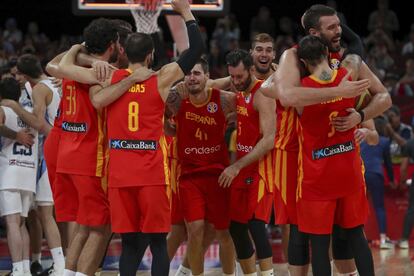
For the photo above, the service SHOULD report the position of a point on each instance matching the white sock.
(80, 274)
(68, 272)
(383, 238)
(354, 273)
(37, 257)
(58, 258)
(269, 272)
(182, 271)
(26, 266)
(225, 274)
(251, 274)
(18, 267)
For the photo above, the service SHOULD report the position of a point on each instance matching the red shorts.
(50, 151)
(286, 164)
(82, 199)
(201, 198)
(319, 216)
(250, 198)
(177, 217)
(143, 209)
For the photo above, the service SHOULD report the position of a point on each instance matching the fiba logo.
(212, 107)
(335, 63)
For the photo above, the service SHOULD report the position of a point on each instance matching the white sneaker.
(55, 271)
(403, 244)
(387, 244)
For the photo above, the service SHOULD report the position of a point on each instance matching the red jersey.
(200, 135)
(138, 148)
(329, 161)
(82, 141)
(248, 134)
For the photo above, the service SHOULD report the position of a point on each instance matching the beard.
(262, 70)
(114, 57)
(243, 86)
(332, 48)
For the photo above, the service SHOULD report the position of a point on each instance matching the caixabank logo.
(74, 127)
(332, 150)
(133, 144)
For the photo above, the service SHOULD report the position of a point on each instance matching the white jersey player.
(18, 165)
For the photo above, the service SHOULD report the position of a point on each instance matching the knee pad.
(240, 234)
(341, 248)
(261, 241)
(298, 248)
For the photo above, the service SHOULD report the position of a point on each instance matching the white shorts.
(43, 195)
(15, 202)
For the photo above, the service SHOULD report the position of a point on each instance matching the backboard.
(119, 7)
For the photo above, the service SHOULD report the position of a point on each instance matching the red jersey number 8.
(133, 115)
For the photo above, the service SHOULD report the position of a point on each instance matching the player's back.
(82, 141)
(18, 163)
(330, 161)
(135, 131)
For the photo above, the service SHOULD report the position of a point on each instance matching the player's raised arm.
(172, 72)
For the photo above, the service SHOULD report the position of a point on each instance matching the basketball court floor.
(393, 262)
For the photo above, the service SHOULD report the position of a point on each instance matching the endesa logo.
(74, 127)
(243, 148)
(133, 144)
(332, 150)
(202, 150)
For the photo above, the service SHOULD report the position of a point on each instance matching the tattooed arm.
(228, 102)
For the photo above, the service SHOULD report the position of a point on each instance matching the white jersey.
(18, 164)
(52, 108)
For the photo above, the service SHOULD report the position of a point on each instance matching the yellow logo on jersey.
(205, 120)
(338, 99)
(242, 110)
(137, 88)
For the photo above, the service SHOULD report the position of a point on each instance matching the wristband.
(362, 114)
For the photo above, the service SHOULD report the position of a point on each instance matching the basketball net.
(146, 13)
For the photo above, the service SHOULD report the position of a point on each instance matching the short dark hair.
(236, 56)
(29, 65)
(10, 89)
(124, 30)
(99, 35)
(263, 38)
(395, 109)
(312, 49)
(204, 64)
(138, 46)
(313, 14)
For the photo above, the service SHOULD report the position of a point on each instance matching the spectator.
(384, 19)
(36, 39)
(399, 132)
(226, 33)
(405, 85)
(382, 58)
(215, 61)
(288, 37)
(262, 23)
(374, 157)
(408, 47)
(12, 34)
(407, 154)
(333, 5)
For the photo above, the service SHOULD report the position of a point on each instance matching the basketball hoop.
(146, 13)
